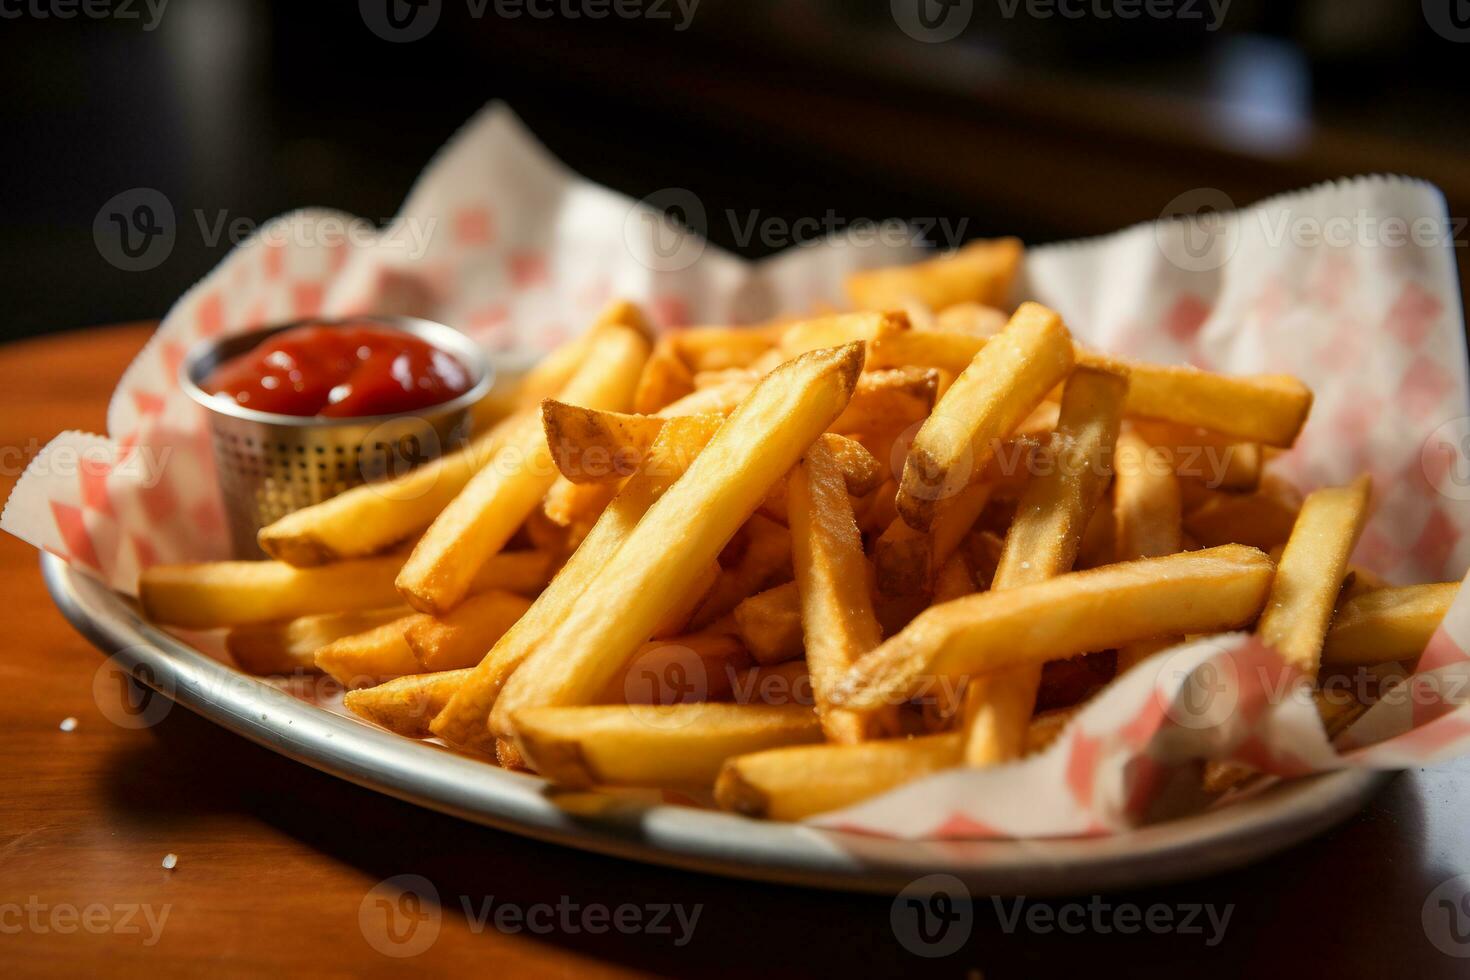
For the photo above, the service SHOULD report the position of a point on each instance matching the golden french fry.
(908, 561)
(232, 593)
(406, 705)
(769, 623)
(1388, 624)
(1263, 519)
(805, 336)
(719, 399)
(861, 473)
(1006, 380)
(892, 399)
(765, 557)
(463, 636)
(954, 581)
(569, 504)
(478, 522)
(1198, 454)
(591, 446)
(683, 532)
(1309, 575)
(799, 782)
(376, 516)
(551, 374)
(1042, 543)
(664, 378)
(680, 670)
(289, 646)
(975, 319)
(1359, 581)
(721, 348)
(838, 623)
(1192, 592)
(463, 721)
(894, 346)
(370, 657)
(1147, 516)
(783, 683)
(695, 594)
(980, 272)
(653, 745)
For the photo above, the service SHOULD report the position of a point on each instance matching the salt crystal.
(170, 860)
(68, 724)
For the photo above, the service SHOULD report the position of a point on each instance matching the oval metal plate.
(687, 837)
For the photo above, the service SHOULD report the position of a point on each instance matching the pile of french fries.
(802, 563)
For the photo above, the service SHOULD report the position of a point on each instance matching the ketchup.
(345, 371)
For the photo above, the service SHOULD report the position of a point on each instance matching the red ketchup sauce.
(346, 371)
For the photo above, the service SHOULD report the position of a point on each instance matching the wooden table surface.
(276, 861)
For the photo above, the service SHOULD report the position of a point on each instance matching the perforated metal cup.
(270, 465)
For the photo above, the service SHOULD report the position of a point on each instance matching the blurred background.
(1045, 118)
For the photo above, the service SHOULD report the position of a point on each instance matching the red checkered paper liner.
(499, 240)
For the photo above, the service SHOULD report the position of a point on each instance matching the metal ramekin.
(270, 465)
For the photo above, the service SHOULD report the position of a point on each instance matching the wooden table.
(275, 860)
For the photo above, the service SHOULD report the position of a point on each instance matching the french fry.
(289, 646)
(719, 399)
(907, 561)
(799, 782)
(721, 348)
(569, 504)
(478, 522)
(1309, 575)
(892, 399)
(805, 336)
(551, 374)
(1192, 592)
(954, 580)
(838, 623)
(463, 721)
(769, 623)
(861, 473)
(463, 636)
(980, 272)
(376, 516)
(1006, 380)
(975, 319)
(1388, 624)
(894, 346)
(1359, 581)
(1263, 519)
(1042, 543)
(370, 657)
(766, 556)
(233, 593)
(406, 705)
(695, 594)
(783, 683)
(683, 532)
(1147, 516)
(591, 446)
(680, 670)
(1193, 453)
(653, 745)
(664, 378)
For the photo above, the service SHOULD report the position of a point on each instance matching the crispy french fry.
(233, 593)
(719, 399)
(1006, 380)
(653, 745)
(893, 346)
(406, 705)
(1194, 453)
(463, 721)
(954, 580)
(805, 336)
(372, 518)
(1042, 543)
(1263, 519)
(892, 399)
(720, 348)
(551, 374)
(1147, 515)
(664, 378)
(289, 646)
(769, 623)
(861, 473)
(680, 670)
(1309, 575)
(1359, 581)
(907, 561)
(1389, 624)
(783, 683)
(695, 594)
(1192, 592)
(765, 557)
(838, 623)
(371, 657)
(980, 272)
(479, 521)
(683, 532)
(591, 446)
(799, 782)
(569, 504)
(463, 636)
(975, 319)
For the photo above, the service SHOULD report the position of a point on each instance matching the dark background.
(1047, 126)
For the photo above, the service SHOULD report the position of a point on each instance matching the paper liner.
(498, 239)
